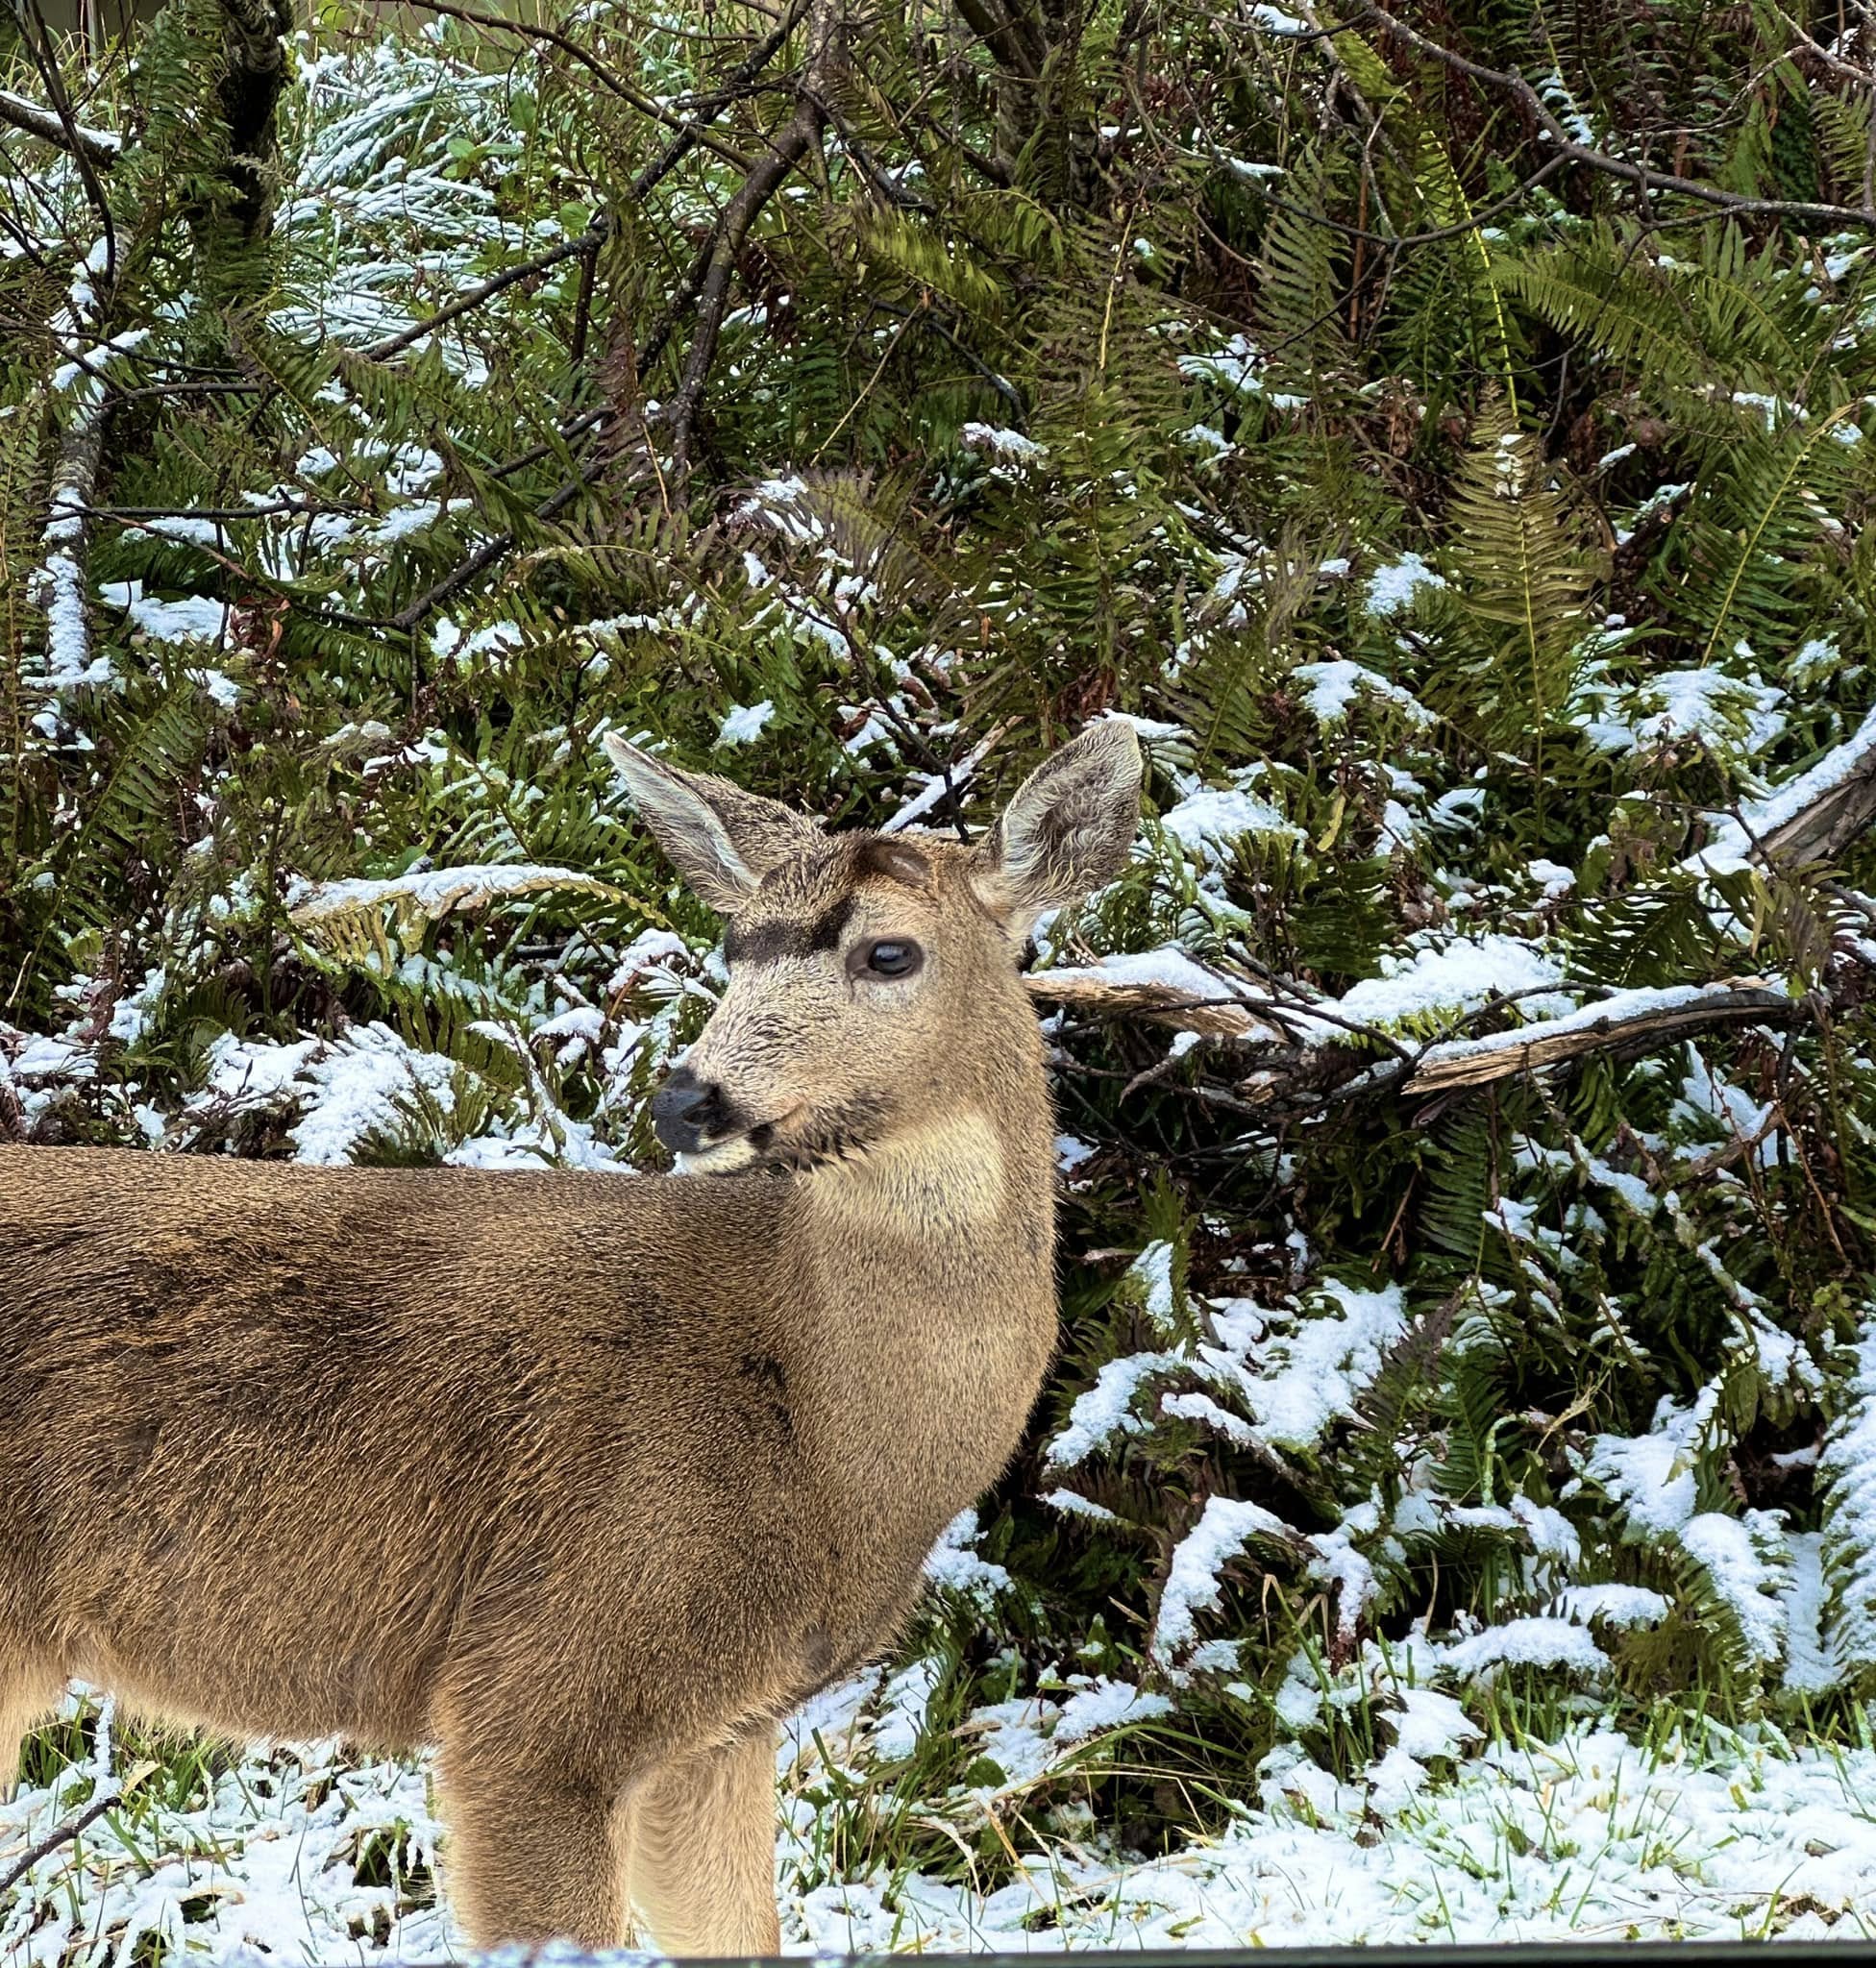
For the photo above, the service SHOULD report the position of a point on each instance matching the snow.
(1742, 1578)
(954, 1563)
(193, 619)
(1332, 689)
(1430, 1724)
(1462, 976)
(1847, 1478)
(1152, 1275)
(744, 722)
(1237, 369)
(1586, 1836)
(1533, 1642)
(1072, 1504)
(1652, 1475)
(1810, 1666)
(1736, 718)
(343, 1089)
(92, 138)
(1193, 1585)
(1612, 1605)
(1396, 586)
(1209, 820)
(1308, 1376)
(1732, 844)
(436, 891)
(1105, 1705)
(1002, 443)
(1106, 1409)
(1618, 1007)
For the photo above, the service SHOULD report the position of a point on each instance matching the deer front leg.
(532, 1856)
(29, 1692)
(700, 1851)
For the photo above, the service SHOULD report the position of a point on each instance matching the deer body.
(587, 1480)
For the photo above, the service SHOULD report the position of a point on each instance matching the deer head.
(873, 977)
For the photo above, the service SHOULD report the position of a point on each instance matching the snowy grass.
(311, 1854)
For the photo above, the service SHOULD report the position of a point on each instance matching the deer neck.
(934, 1258)
(968, 1187)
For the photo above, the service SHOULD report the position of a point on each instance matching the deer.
(585, 1481)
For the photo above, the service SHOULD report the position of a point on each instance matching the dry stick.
(1638, 175)
(64, 1835)
(1840, 810)
(1532, 1049)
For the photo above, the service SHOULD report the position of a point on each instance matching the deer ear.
(722, 839)
(1069, 830)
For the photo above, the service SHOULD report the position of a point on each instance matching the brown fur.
(585, 1480)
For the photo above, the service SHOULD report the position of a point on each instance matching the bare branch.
(34, 33)
(1814, 817)
(734, 85)
(1639, 1019)
(62, 1835)
(607, 78)
(764, 179)
(1805, 210)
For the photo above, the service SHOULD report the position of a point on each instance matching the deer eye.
(890, 957)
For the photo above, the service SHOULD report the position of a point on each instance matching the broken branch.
(100, 146)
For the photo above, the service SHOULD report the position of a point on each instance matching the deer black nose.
(684, 1109)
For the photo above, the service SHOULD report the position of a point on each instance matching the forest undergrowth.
(1445, 431)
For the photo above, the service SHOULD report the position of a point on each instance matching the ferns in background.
(1464, 549)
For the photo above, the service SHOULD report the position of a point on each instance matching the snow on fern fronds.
(1460, 975)
(1811, 1662)
(1847, 1471)
(436, 891)
(1744, 1564)
(1105, 1412)
(1652, 1476)
(1193, 1585)
(955, 1564)
(1529, 1643)
(1306, 1374)
(1212, 821)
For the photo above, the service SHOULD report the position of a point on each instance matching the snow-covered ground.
(313, 1856)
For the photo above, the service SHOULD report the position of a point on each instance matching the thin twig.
(71, 1829)
(648, 106)
(732, 87)
(764, 179)
(588, 244)
(35, 41)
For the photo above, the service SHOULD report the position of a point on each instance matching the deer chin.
(720, 1157)
(755, 1148)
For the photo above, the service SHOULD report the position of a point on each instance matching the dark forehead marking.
(813, 897)
(762, 942)
(820, 898)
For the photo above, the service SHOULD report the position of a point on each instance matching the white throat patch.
(946, 1176)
